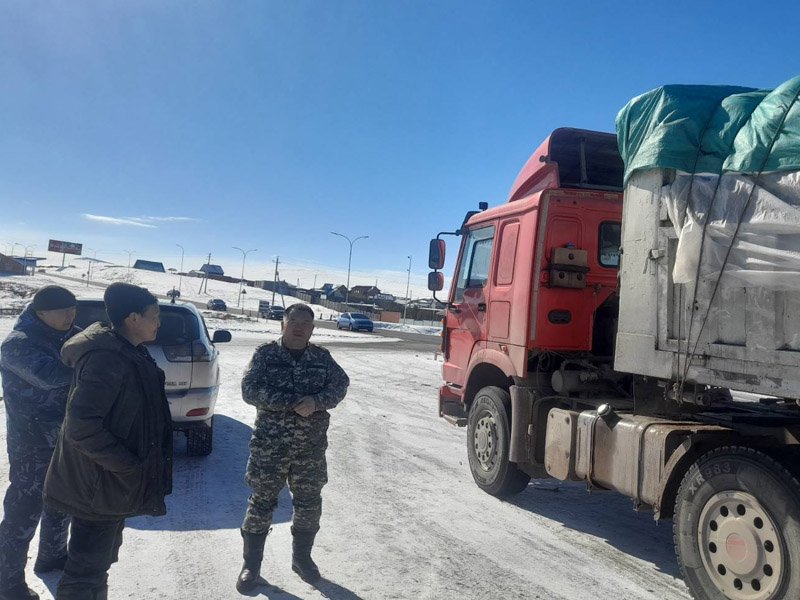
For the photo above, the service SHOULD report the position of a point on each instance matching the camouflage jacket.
(35, 382)
(274, 381)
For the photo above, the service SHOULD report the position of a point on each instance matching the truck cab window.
(608, 252)
(474, 268)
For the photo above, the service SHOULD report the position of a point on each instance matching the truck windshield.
(474, 268)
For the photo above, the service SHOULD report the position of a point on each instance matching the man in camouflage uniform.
(292, 384)
(35, 387)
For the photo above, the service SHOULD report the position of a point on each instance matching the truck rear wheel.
(488, 437)
(737, 527)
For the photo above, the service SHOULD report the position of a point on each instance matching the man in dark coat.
(293, 384)
(35, 386)
(113, 459)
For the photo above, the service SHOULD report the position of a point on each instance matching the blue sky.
(261, 124)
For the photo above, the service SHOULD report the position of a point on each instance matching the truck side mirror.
(435, 281)
(436, 255)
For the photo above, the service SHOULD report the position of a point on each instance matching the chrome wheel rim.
(741, 547)
(484, 441)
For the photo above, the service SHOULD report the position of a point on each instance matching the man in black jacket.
(35, 386)
(113, 459)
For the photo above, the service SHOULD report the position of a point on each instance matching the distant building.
(149, 265)
(11, 266)
(364, 292)
(212, 270)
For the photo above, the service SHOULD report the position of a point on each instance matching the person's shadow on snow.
(334, 591)
(209, 492)
(273, 592)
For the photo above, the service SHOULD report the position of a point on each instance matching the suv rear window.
(178, 325)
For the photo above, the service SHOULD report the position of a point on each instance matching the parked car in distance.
(263, 308)
(355, 322)
(216, 304)
(276, 313)
(187, 355)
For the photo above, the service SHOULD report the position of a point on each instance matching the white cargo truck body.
(741, 328)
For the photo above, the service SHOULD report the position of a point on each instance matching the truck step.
(453, 420)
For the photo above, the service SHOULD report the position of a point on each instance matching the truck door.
(467, 316)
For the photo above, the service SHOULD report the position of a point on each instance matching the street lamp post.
(241, 279)
(349, 259)
(180, 273)
(408, 287)
(13, 246)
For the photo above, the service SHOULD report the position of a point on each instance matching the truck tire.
(488, 434)
(200, 440)
(737, 527)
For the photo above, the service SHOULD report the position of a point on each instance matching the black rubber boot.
(253, 555)
(302, 542)
(46, 565)
(19, 591)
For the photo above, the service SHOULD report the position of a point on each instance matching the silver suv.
(190, 361)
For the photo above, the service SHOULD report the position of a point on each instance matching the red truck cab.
(535, 279)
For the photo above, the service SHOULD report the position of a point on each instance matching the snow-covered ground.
(402, 516)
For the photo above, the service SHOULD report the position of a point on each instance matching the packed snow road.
(402, 518)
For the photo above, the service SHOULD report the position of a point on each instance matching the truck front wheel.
(488, 434)
(737, 527)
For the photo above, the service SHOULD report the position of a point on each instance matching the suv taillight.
(197, 351)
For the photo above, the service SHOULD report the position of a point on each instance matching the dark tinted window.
(178, 325)
(359, 316)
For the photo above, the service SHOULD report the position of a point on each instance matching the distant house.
(212, 270)
(364, 292)
(149, 265)
(337, 294)
(11, 266)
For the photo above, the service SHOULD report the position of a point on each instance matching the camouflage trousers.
(22, 512)
(287, 448)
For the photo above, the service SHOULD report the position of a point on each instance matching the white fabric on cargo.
(766, 251)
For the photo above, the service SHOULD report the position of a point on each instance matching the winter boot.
(253, 555)
(302, 542)
(46, 565)
(19, 591)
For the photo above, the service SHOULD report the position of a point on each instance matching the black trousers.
(93, 548)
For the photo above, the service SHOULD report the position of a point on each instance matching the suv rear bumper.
(182, 402)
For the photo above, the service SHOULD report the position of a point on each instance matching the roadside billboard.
(64, 247)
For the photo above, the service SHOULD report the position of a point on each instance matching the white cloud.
(117, 221)
(148, 222)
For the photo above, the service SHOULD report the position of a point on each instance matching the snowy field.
(16, 291)
(402, 517)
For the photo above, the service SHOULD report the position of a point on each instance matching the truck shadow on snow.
(210, 492)
(606, 515)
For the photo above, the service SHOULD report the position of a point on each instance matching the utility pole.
(275, 280)
(408, 285)
(180, 273)
(313, 287)
(205, 279)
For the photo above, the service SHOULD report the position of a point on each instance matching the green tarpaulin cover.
(712, 129)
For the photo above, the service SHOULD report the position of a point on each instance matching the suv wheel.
(200, 440)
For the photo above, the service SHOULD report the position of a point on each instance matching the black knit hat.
(123, 299)
(53, 297)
